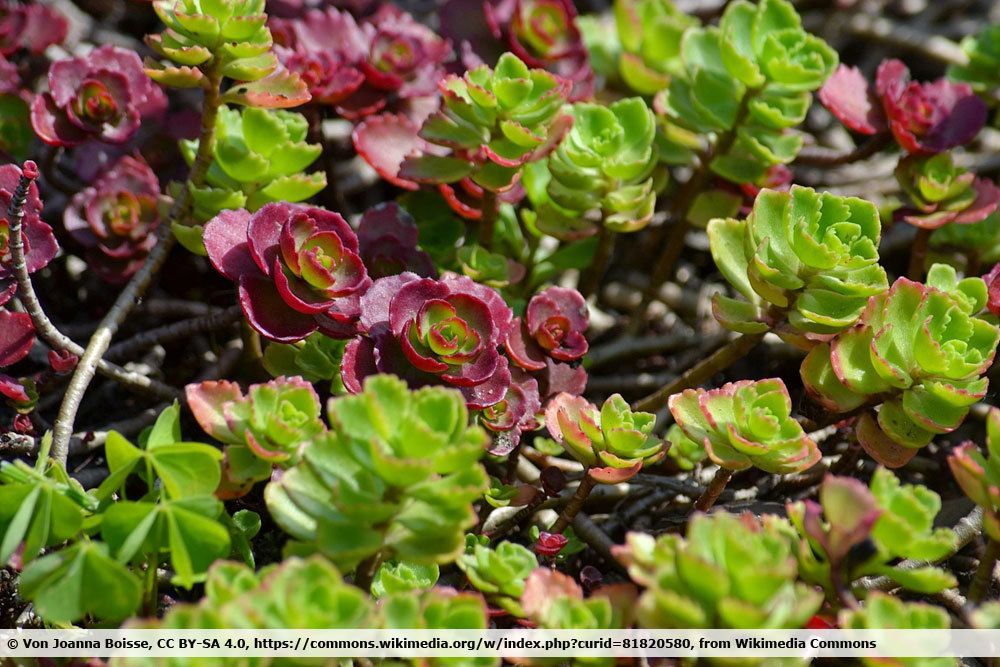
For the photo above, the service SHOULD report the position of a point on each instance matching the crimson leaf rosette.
(397, 475)
(924, 118)
(269, 425)
(542, 33)
(814, 256)
(553, 327)
(920, 351)
(39, 242)
(389, 61)
(432, 332)
(30, 27)
(601, 173)
(613, 442)
(514, 414)
(942, 192)
(388, 241)
(297, 268)
(103, 95)
(491, 123)
(728, 572)
(979, 476)
(116, 217)
(744, 424)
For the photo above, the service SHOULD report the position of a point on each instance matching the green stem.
(918, 254)
(664, 264)
(591, 278)
(713, 490)
(140, 282)
(720, 360)
(488, 221)
(575, 504)
(152, 585)
(984, 573)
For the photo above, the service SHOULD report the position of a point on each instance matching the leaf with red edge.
(279, 90)
(17, 333)
(880, 446)
(849, 97)
(384, 142)
(611, 475)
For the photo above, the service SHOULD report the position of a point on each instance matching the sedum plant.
(552, 600)
(748, 81)
(983, 52)
(205, 40)
(977, 475)
(942, 193)
(259, 157)
(498, 573)
(601, 173)
(728, 572)
(883, 612)
(269, 425)
(395, 477)
(920, 351)
(854, 532)
(744, 424)
(649, 32)
(808, 256)
(614, 443)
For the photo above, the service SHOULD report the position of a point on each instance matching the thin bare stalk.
(720, 360)
(591, 278)
(818, 156)
(488, 221)
(47, 331)
(713, 490)
(575, 504)
(918, 254)
(980, 585)
(137, 286)
(175, 331)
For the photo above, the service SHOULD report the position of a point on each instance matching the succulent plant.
(512, 415)
(499, 573)
(300, 593)
(613, 442)
(983, 52)
(402, 577)
(259, 158)
(438, 608)
(683, 451)
(943, 193)
(992, 280)
(31, 27)
(297, 268)
(745, 424)
(814, 256)
(116, 218)
(978, 475)
(924, 118)
(388, 236)
(39, 242)
(315, 359)
(103, 96)
(753, 76)
(650, 33)
(728, 572)
(18, 336)
(853, 532)
(542, 33)
(396, 474)
(554, 601)
(383, 63)
(601, 173)
(432, 332)
(269, 425)
(884, 612)
(920, 351)
(979, 240)
(553, 327)
(491, 123)
(232, 39)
